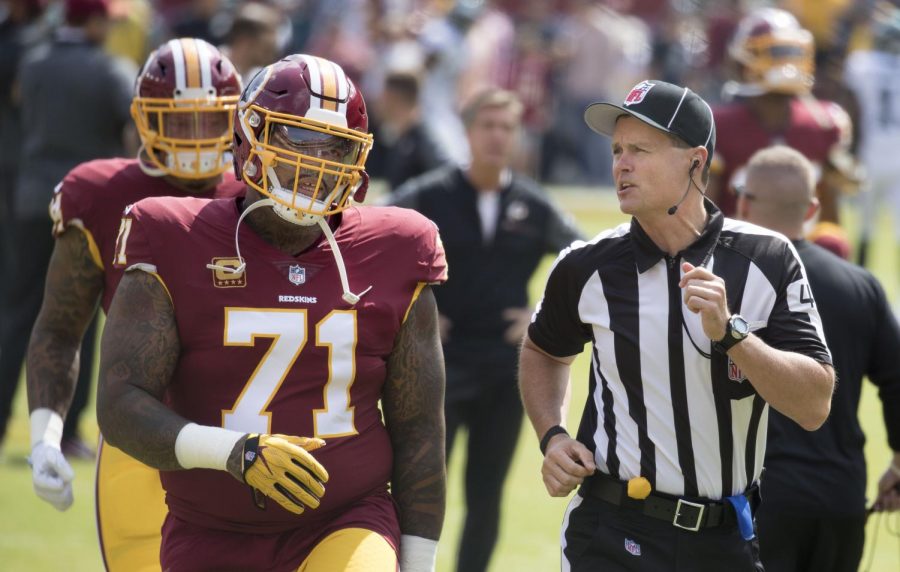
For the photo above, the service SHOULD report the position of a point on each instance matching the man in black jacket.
(496, 227)
(404, 147)
(813, 510)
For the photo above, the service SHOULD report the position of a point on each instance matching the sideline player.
(773, 104)
(183, 107)
(238, 351)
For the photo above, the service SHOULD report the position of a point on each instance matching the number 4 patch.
(800, 296)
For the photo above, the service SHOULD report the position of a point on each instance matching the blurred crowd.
(557, 55)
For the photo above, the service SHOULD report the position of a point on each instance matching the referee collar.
(647, 254)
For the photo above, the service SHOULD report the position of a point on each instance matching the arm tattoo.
(139, 352)
(413, 404)
(73, 287)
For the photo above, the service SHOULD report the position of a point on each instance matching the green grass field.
(34, 537)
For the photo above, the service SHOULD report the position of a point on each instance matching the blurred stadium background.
(557, 55)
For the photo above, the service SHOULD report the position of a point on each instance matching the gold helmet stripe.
(191, 61)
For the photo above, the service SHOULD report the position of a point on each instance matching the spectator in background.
(813, 510)
(75, 107)
(496, 227)
(131, 24)
(872, 75)
(603, 52)
(403, 147)
(252, 40)
(443, 40)
(21, 29)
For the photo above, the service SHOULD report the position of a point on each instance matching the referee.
(697, 324)
(813, 511)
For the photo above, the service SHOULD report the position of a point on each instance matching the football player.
(183, 107)
(773, 105)
(251, 341)
(872, 75)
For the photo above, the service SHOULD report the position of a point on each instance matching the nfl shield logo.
(639, 92)
(735, 373)
(297, 274)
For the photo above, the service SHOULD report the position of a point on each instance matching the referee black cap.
(666, 106)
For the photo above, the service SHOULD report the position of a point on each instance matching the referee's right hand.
(566, 464)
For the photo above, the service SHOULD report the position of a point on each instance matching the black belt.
(683, 513)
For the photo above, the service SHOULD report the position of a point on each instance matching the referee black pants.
(486, 401)
(600, 537)
(792, 543)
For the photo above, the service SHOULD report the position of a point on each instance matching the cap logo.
(639, 92)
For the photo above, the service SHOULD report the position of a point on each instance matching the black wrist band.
(551, 432)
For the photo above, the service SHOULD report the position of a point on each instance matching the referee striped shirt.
(662, 403)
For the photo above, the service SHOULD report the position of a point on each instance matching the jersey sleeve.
(431, 260)
(556, 326)
(133, 248)
(794, 324)
(71, 204)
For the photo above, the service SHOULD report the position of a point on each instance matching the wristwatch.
(736, 330)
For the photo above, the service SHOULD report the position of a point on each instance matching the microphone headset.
(674, 208)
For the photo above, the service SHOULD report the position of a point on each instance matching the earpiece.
(694, 164)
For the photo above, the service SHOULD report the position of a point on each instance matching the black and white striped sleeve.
(794, 324)
(556, 326)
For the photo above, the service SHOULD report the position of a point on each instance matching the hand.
(51, 475)
(888, 498)
(280, 467)
(704, 294)
(519, 319)
(566, 464)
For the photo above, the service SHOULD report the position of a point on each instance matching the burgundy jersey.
(93, 195)
(814, 130)
(275, 349)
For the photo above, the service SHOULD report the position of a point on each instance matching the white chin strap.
(147, 167)
(291, 215)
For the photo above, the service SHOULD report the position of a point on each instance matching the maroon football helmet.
(301, 137)
(776, 54)
(184, 102)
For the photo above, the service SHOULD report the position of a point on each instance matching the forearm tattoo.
(413, 404)
(138, 356)
(73, 287)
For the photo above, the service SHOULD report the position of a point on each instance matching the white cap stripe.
(178, 56)
(680, 101)
(205, 62)
(712, 122)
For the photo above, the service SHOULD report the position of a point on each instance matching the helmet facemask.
(780, 65)
(188, 136)
(309, 168)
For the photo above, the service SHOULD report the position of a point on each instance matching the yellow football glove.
(280, 467)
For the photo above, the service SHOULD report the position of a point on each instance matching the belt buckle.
(676, 521)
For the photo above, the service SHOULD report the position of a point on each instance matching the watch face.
(739, 327)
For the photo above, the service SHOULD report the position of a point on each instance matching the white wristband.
(46, 426)
(203, 447)
(417, 554)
